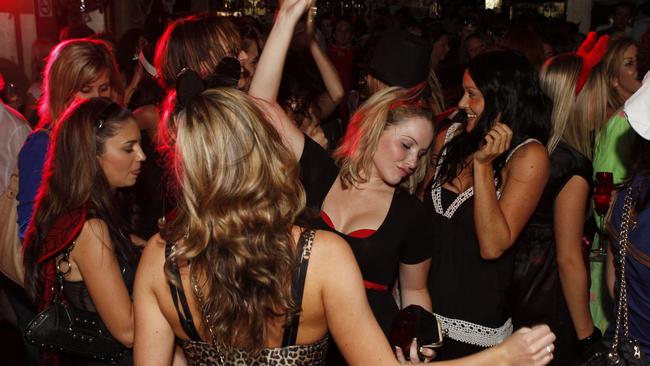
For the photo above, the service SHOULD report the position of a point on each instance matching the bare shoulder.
(530, 160)
(94, 235)
(153, 254)
(330, 251)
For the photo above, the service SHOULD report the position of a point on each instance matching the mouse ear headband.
(591, 51)
(189, 83)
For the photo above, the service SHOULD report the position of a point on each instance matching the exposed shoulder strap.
(185, 318)
(304, 248)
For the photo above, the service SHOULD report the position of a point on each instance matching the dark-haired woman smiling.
(488, 179)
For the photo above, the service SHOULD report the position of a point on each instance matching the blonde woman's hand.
(529, 346)
(495, 142)
(428, 354)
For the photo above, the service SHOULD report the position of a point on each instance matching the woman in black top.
(489, 177)
(95, 150)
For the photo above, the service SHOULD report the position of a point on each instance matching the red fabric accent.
(63, 232)
(360, 234)
(374, 286)
(418, 103)
(591, 52)
(442, 115)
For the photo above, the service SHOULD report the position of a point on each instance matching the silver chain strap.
(621, 308)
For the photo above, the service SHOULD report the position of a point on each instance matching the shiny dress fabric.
(537, 291)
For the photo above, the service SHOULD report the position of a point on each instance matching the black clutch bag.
(415, 322)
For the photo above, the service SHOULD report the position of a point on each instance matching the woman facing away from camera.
(232, 277)
(77, 222)
(489, 176)
(551, 282)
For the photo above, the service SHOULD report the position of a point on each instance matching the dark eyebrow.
(130, 142)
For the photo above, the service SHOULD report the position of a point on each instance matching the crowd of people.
(220, 192)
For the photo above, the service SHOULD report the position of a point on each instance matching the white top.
(13, 132)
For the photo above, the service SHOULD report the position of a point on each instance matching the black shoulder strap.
(178, 294)
(304, 250)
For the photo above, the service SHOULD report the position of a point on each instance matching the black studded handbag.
(67, 329)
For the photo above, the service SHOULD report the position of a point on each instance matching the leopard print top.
(201, 353)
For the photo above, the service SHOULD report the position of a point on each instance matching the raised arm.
(154, 337)
(93, 254)
(499, 222)
(268, 75)
(334, 93)
(569, 217)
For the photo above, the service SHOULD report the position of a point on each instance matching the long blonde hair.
(387, 107)
(240, 197)
(574, 118)
(73, 64)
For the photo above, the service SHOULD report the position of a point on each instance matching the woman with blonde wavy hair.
(234, 280)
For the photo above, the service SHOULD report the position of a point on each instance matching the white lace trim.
(469, 192)
(476, 334)
(435, 191)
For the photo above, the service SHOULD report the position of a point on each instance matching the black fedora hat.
(400, 59)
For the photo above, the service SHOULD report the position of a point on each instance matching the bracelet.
(594, 337)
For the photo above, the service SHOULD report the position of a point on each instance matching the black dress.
(537, 292)
(470, 295)
(403, 237)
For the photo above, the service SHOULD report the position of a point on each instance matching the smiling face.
(122, 155)
(626, 83)
(472, 102)
(400, 147)
(100, 87)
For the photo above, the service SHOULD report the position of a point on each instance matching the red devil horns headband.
(591, 53)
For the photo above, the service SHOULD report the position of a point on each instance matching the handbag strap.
(621, 307)
(60, 273)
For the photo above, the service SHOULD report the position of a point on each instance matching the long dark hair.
(72, 178)
(510, 86)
